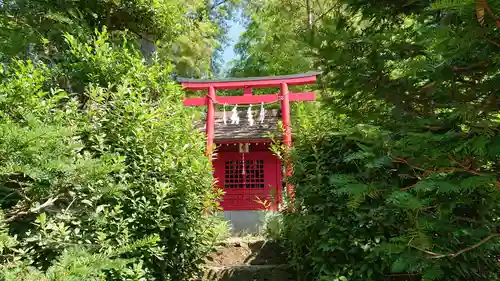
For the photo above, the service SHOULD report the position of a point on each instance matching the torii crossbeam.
(247, 84)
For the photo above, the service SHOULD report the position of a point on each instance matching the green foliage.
(397, 175)
(270, 45)
(186, 33)
(75, 263)
(433, 68)
(111, 184)
(364, 213)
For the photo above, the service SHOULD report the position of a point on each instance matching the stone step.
(237, 251)
(249, 273)
(244, 259)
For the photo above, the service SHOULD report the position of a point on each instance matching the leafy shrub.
(397, 177)
(106, 167)
(375, 205)
(75, 263)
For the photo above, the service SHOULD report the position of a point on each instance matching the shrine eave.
(249, 82)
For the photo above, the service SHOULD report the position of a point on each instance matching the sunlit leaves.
(127, 169)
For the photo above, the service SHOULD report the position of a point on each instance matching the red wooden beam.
(287, 135)
(307, 96)
(250, 82)
(210, 121)
(234, 141)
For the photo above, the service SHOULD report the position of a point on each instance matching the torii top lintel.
(249, 82)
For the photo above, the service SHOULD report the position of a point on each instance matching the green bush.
(397, 176)
(376, 205)
(75, 263)
(104, 168)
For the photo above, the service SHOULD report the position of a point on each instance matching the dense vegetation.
(102, 176)
(189, 34)
(397, 172)
(397, 169)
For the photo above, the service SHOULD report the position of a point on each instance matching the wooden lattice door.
(248, 180)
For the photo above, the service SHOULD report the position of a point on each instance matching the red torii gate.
(247, 84)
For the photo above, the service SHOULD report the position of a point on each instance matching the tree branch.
(47, 203)
(459, 218)
(488, 9)
(444, 169)
(462, 168)
(215, 5)
(309, 14)
(493, 42)
(433, 255)
(323, 14)
(481, 63)
(409, 187)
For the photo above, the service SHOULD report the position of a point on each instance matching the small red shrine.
(243, 164)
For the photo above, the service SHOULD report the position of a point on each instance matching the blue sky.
(234, 33)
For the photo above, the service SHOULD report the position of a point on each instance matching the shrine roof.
(243, 130)
(251, 82)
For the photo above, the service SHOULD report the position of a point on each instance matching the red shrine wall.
(251, 180)
(234, 146)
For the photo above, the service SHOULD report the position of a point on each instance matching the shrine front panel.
(251, 181)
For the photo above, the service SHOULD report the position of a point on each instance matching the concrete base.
(248, 222)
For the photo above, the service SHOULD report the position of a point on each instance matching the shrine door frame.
(249, 198)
